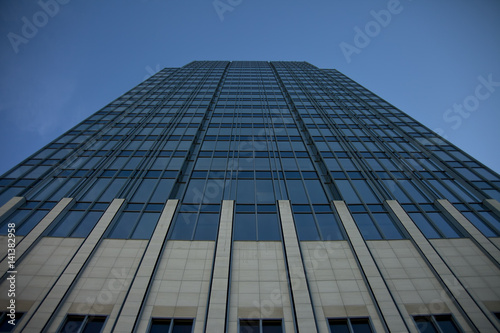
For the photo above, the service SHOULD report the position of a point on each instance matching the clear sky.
(438, 61)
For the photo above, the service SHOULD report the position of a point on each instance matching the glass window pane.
(446, 324)
(162, 190)
(144, 190)
(360, 325)
(72, 324)
(124, 225)
(95, 189)
(113, 190)
(265, 191)
(65, 226)
(329, 227)
(272, 326)
(393, 188)
(296, 191)
(424, 225)
(486, 230)
(246, 191)
(347, 192)
(249, 326)
(30, 222)
(87, 224)
(365, 191)
(184, 226)
(194, 191)
(306, 227)
(244, 227)
(146, 226)
(16, 218)
(492, 219)
(387, 226)
(424, 324)
(339, 326)
(213, 191)
(366, 226)
(94, 324)
(182, 326)
(268, 228)
(160, 326)
(315, 191)
(207, 226)
(443, 225)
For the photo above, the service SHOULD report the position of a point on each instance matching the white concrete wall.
(259, 287)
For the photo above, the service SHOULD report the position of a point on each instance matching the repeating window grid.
(62, 144)
(171, 325)
(78, 221)
(443, 323)
(446, 155)
(319, 165)
(375, 222)
(405, 156)
(254, 325)
(27, 217)
(483, 218)
(350, 325)
(82, 323)
(433, 223)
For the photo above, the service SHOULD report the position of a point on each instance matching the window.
(5, 318)
(350, 325)
(436, 323)
(261, 326)
(166, 325)
(83, 324)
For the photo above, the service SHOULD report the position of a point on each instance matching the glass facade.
(254, 132)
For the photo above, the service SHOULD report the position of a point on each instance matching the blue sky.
(438, 61)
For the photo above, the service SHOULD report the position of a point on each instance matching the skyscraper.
(250, 197)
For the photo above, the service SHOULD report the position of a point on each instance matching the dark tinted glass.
(272, 326)
(339, 326)
(5, 326)
(72, 324)
(424, 324)
(249, 326)
(360, 325)
(182, 326)
(159, 326)
(94, 324)
(446, 324)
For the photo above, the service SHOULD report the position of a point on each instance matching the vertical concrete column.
(30, 239)
(390, 312)
(39, 316)
(465, 301)
(129, 314)
(477, 236)
(494, 205)
(10, 206)
(304, 313)
(217, 305)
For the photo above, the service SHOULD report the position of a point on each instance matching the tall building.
(250, 197)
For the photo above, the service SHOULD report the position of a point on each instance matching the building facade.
(250, 197)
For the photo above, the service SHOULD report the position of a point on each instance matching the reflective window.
(436, 323)
(261, 326)
(83, 324)
(168, 325)
(350, 325)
